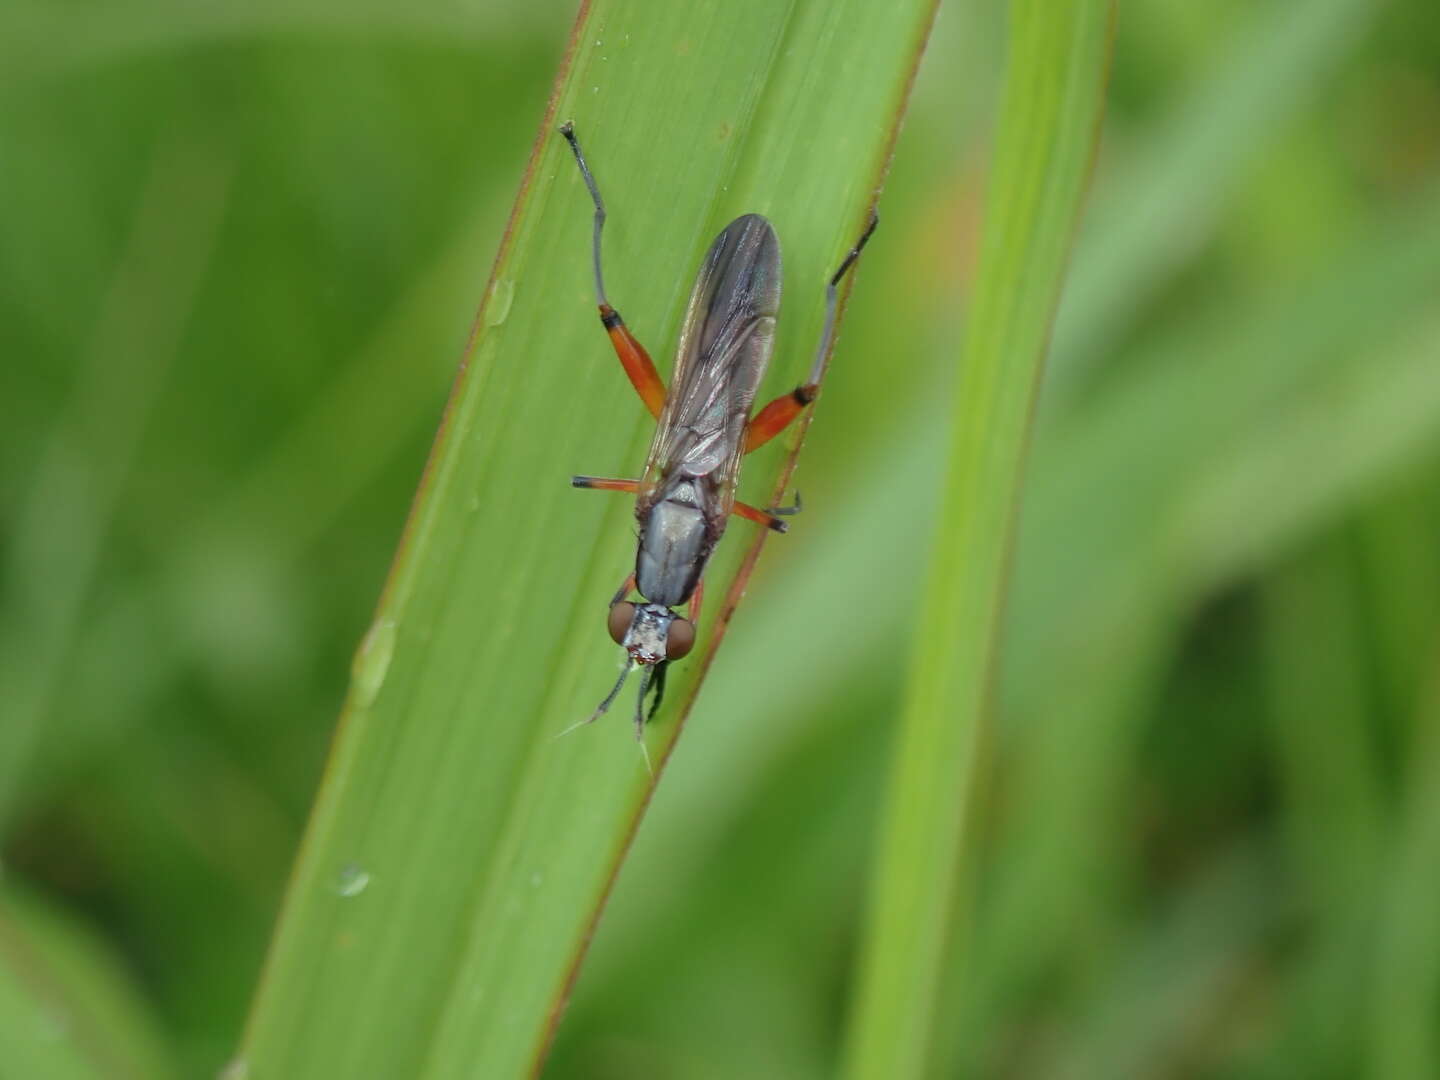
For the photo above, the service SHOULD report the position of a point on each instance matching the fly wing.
(725, 346)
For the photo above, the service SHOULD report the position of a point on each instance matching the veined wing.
(725, 346)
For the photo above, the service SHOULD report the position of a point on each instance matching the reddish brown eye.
(622, 615)
(680, 640)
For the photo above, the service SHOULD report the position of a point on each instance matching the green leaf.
(1059, 55)
(459, 854)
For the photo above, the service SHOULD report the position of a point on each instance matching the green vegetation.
(242, 251)
(1053, 101)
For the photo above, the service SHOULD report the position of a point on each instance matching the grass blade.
(1049, 122)
(1401, 1025)
(458, 856)
(1194, 519)
(67, 1011)
(1152, 220)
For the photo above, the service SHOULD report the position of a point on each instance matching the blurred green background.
(240, 249)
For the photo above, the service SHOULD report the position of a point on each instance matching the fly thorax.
(683, 493)
(672, 547)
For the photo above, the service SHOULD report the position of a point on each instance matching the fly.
(704, 426)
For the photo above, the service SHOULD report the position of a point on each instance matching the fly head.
(650, 633)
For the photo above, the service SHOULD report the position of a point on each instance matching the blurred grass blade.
(57, 536)
(1180, 967)
(1237, 459)
(66, 1012)
(1331, 788)
(1403, 1038)
(1166, 205)
(1050, 116)
(458, 856)
(47, 41)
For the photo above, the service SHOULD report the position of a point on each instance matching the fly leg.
(623, 591)
(657, 687)
(633, 357)
(658, 683)
(787, 511)
(780, 413)
(761, 517)
(601, 483)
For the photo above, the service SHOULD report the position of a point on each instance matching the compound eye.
(680, 639)
(622, 614)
